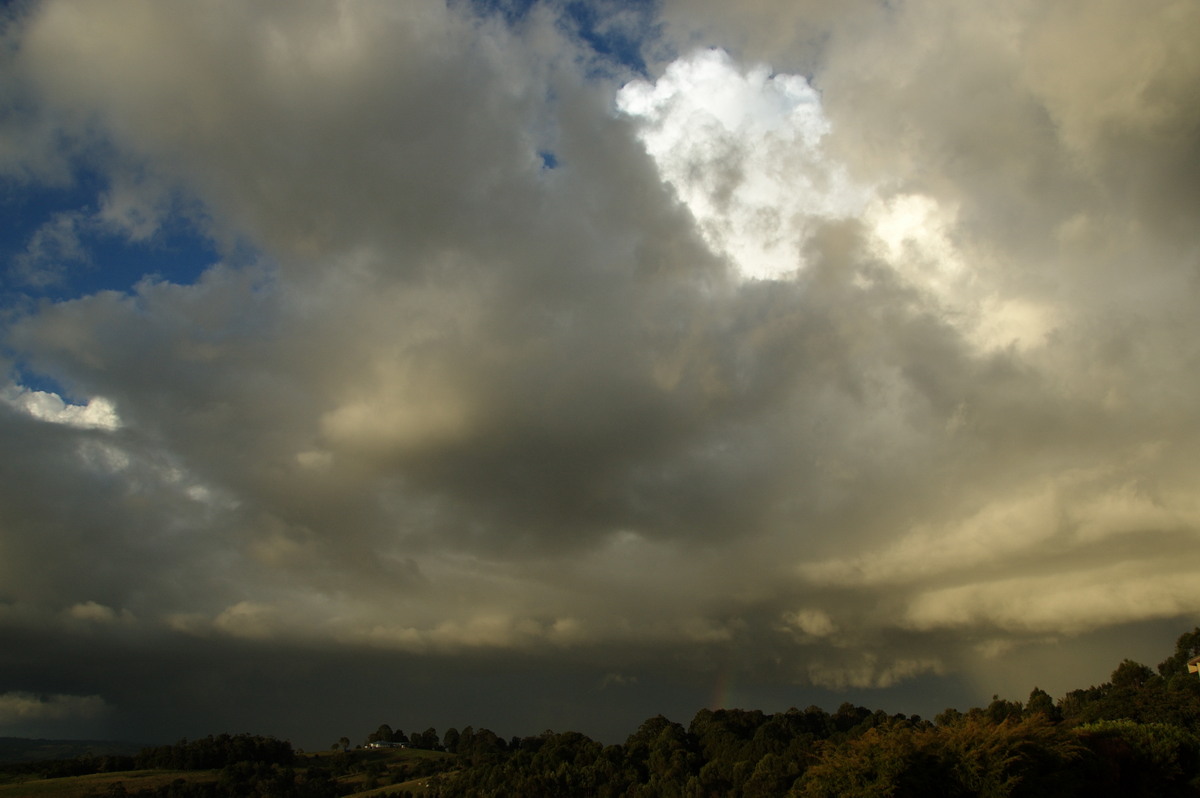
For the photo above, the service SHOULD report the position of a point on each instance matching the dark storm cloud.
(458, 407)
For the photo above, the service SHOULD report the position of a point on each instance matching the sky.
(555, 365)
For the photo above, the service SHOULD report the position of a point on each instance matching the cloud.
(19, 708)
(744, 154)
(360, 84)
(871, 672)
(92, 612)
(835, 348)
(1063, 603)
(52, 248)
(98, 413)
(617, 679)
(810, 623)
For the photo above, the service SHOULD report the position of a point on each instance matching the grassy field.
(369, 773)
(415, 786)
(386, 764)
(99, 783)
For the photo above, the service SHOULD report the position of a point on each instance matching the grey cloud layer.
(460, 402)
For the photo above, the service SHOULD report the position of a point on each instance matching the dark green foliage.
(549, 764)
(428, 740)
(1137, 693)
(1142, 759)
(661, 755)
(1001, 710)
(973, 757)
(948, 717)
(212, 753)
(1014, 757)
(875, 763)
(849, 717)
(477, 747)
(1186, 647)
(1131, 675)
(1040, 703)
(381, 735)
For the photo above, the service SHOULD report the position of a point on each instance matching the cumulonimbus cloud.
(850, 348)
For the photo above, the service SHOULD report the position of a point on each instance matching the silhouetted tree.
(381, 735)
(1186, 647)
(1040, 703)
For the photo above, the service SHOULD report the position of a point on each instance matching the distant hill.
(20, 749)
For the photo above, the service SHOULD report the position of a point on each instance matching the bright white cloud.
(98, 413)
(743, 151)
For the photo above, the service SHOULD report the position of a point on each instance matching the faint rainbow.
(722, 685)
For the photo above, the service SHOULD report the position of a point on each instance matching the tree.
(1130, 674)
(1145, 758)
(427, 739)
(989, 759)
(849, 716)
(881, 762)
(381, 735)
(948, 717)
(662, 750)
(1001, 710)
(1186, 647)
(773, 775)
(1040, 703)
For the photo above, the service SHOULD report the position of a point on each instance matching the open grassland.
(100, 783)
(378, 772)
(415, 786)
(359, 773)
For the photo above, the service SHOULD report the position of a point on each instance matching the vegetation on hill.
(216, 767)
(1136, 735)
